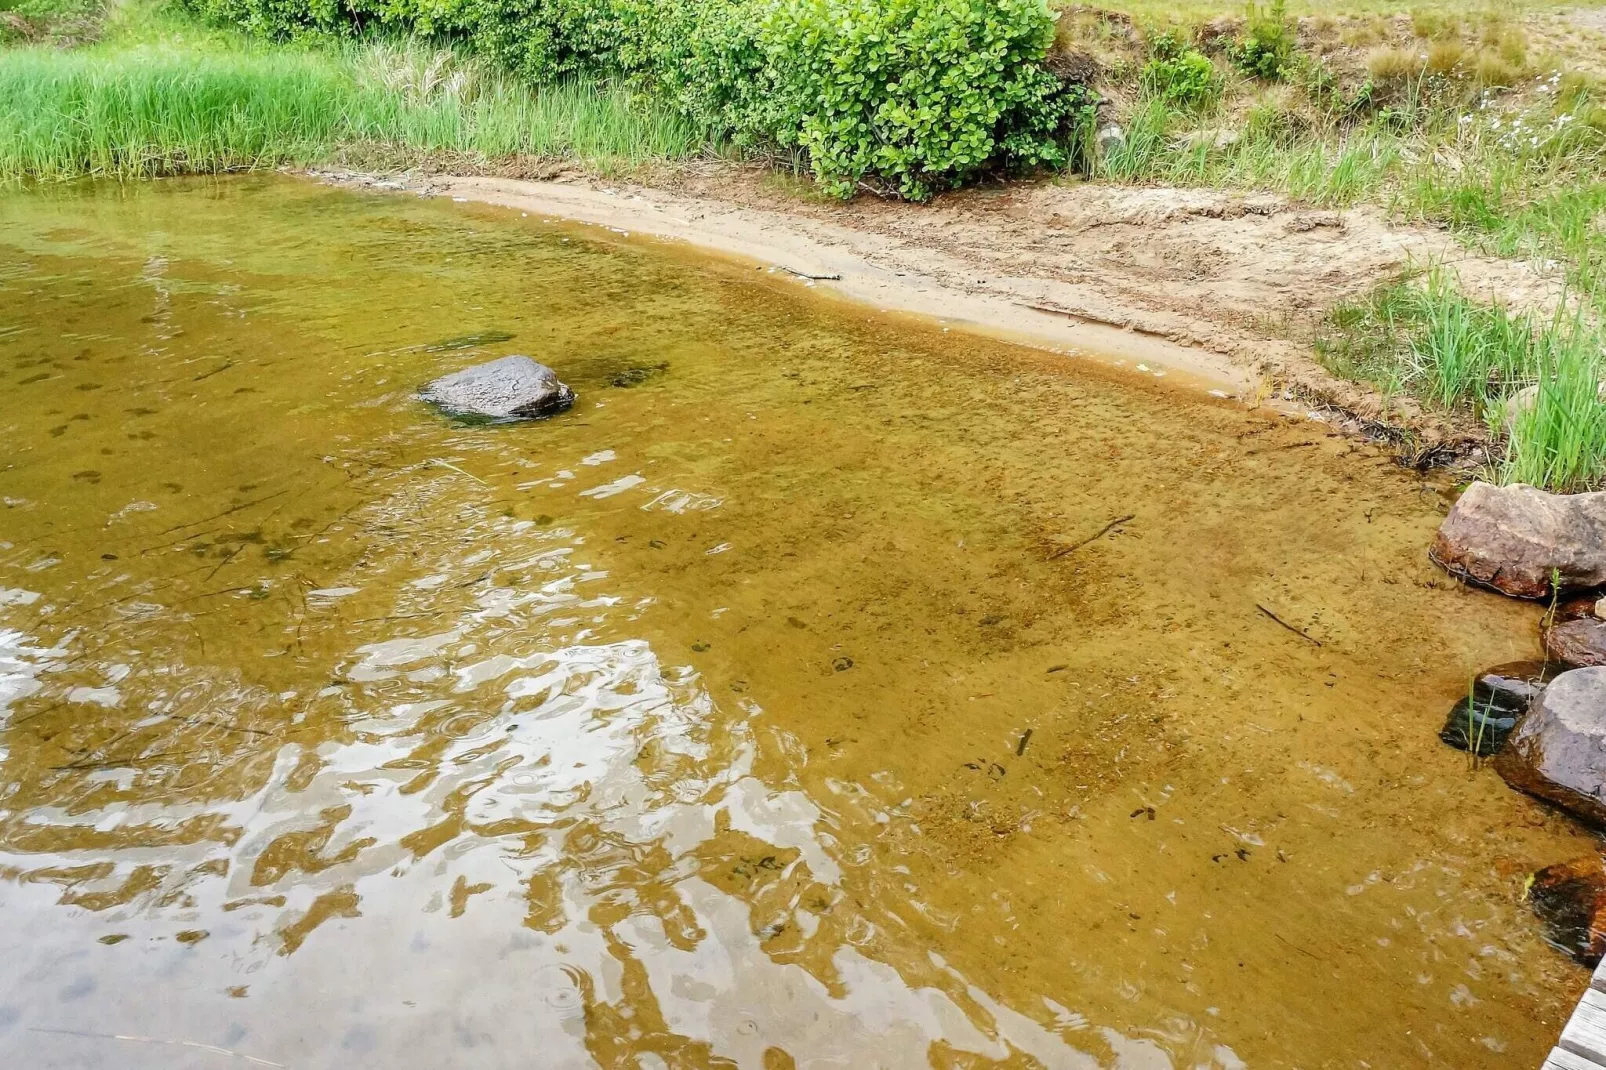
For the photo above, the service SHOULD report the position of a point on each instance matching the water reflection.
(683, 912)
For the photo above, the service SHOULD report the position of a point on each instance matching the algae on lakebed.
(691, 725)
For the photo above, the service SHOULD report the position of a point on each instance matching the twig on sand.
(1105, 530)
(1088, 317)
(1297, 631)
(807, 275)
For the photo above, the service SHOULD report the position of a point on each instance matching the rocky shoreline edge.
(1542, 724)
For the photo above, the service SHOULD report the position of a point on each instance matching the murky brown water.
(690, 729)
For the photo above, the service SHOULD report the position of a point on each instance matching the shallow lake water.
(781, 705)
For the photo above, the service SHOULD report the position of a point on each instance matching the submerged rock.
(635, 376)
(1483, 719)
(1578, 642)
(1515, 539)
(1570, 899)
(1558, 750)
(512, 388)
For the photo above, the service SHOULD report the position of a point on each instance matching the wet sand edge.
(840, 261)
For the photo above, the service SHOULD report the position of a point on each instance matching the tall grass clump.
(151, 109)
(1533, 380)
(1463, 352)
(66, 114)
(1559, 439)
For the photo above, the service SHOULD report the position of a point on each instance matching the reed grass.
(214, 103)
(1560, 440)
(1534, 380)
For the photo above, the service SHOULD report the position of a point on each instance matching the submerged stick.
(213, 1048)
(218, 516)
(1025, 738)
(459, 471)
(1105, 530)
(1297, 631)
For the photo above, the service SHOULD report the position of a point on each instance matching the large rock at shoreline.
(512, 388)
(1515, 538)
(1570, 899)
(1579, 642)
(1558, 750)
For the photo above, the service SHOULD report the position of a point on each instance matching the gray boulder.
(512, 388)
(1515, 538)
(1109, 138)
(1558, 750)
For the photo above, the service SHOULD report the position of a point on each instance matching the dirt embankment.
(1224, 288)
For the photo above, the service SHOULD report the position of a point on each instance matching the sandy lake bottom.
(821, 691)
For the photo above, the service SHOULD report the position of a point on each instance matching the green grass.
(1531, 182)
(1560, 440)
(1452, 119)
(161, 97)
(1334, 166)
(1533, 380)
(1513, 177)
(1197, 11)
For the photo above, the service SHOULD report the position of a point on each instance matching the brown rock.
(1514, 539)
(1558, 750)
(1577, 642)
(1570, 899)
(1578, 606)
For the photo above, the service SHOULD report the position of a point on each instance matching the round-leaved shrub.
(921, 94)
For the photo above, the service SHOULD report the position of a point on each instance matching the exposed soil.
(1224, 288)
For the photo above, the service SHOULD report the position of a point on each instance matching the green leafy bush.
(918, 95)
(1179, 75)
(1267, 48)
(924, 93)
